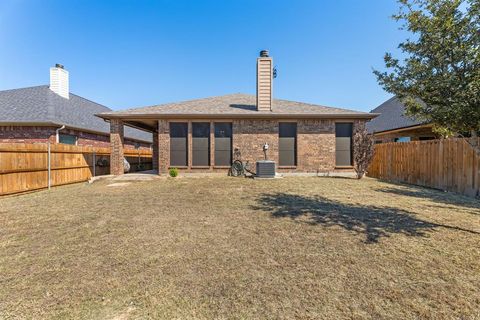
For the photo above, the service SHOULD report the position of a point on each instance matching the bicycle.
(239, 168)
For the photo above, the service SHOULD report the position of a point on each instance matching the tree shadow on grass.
(374, 222)
(436, 196)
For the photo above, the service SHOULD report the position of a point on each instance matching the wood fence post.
(49, 164)
(94, 162)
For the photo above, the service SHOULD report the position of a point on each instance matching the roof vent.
(264, 53)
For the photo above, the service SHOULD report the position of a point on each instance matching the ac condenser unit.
(265, 169)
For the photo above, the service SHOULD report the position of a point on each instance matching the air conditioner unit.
(265, 169)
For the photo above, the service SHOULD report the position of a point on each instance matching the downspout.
(56, 133)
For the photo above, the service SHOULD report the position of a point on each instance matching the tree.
(363, 151)
(439, 78)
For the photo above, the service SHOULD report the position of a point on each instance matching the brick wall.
(155, 150)
(315, 144)
(163, 146)
(24, 134)
(116, 143)
(41, 134)
(249, 136)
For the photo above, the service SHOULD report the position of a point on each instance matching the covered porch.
(117, 128)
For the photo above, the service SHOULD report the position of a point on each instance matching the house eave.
(129, 116)
(413, 127)
(30, 123)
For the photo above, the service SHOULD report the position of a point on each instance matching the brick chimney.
(59, 81)
(264, 81)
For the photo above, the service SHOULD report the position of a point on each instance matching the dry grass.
(238, 248)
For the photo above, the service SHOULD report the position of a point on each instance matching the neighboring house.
(32, 115)
(207, 134)
(392, 125)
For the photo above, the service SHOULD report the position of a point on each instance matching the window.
(402, 139)
(343, 144)
(67, 139)
(200, 144)
(223, 143)
(287, 144)
(178, 144)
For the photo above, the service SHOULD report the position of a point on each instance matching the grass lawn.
(213, 247)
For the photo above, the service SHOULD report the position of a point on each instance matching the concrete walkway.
(153, 175)
(138, 176)
(134, 176)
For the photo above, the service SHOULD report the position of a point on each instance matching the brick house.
(393, 125)
(33, 115)
(205, 135)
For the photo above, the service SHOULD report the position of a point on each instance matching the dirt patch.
(118, 184)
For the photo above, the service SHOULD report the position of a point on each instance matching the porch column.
(212, 144)
(116, 145)
(163, 146)
(155, 150)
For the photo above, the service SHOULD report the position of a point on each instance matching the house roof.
(392, 116)
(234, 105)
(41, 105)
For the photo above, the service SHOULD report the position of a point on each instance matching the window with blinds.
(287, 149)
(178, 144)
(223, 143)
(343, 142)
(200, 144)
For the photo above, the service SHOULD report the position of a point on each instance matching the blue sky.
(135, 53)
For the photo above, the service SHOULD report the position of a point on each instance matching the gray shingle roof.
(41, 105)
(392, 116)
(234, 104)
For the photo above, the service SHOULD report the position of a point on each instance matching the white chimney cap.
(59, 82)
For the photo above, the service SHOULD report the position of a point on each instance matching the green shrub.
(173, 172)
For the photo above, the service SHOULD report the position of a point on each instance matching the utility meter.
(265, 148)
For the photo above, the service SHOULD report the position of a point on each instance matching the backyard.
(218, 247)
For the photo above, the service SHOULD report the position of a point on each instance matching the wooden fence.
(448, 164)
(24, 167)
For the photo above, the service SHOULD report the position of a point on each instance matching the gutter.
(129, 116)
(57, 134)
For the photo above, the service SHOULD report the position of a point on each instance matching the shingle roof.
(41, 105)
(392, 116)
(234, 104)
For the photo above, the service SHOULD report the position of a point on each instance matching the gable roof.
(392, 116)
(234, 105)
(41, 105)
